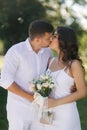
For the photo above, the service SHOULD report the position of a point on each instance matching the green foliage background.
(16, 15)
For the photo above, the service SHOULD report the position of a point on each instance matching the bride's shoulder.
(75, 63)
(76, 66)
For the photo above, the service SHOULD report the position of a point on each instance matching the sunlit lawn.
(1, 62)
(82, 107)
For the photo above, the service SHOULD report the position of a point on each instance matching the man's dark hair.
(38, 28)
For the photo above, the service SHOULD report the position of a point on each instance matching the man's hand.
(73, 88)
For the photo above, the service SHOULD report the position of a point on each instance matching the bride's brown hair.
(68, 43)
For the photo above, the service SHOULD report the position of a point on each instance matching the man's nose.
(51, 39)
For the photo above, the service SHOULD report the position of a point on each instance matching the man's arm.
(15, 88)
(73, 88)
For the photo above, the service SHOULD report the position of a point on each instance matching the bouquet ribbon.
(43, 110)
(41, 102)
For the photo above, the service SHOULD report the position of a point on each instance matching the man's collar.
(28, 45)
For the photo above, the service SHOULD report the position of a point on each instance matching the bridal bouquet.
(42, 87)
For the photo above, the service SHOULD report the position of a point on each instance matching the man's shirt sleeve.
(9, 68)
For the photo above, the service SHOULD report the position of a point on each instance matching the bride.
(66, 70)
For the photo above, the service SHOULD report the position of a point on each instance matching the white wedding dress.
(66, 116)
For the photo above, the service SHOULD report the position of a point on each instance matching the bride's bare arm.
(79, 78)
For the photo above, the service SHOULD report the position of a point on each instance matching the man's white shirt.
(22, 65)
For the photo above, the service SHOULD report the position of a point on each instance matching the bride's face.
(55, 43)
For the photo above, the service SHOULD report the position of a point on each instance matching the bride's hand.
(52, 102)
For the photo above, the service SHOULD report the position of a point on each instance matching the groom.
(24, 62)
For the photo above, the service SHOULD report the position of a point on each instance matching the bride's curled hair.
(68, 43)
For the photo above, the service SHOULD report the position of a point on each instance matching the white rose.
(46, 77)
(42, 77)
(45, 84)
(38, 86)
(32, 87)
(51, 85)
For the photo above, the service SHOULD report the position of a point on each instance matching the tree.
(15, 17)
(61, 13)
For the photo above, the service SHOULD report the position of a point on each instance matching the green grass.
(3, 120)
(1, 61)
(82, 108)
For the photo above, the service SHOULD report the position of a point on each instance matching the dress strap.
(68, 66)
(51, 60)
